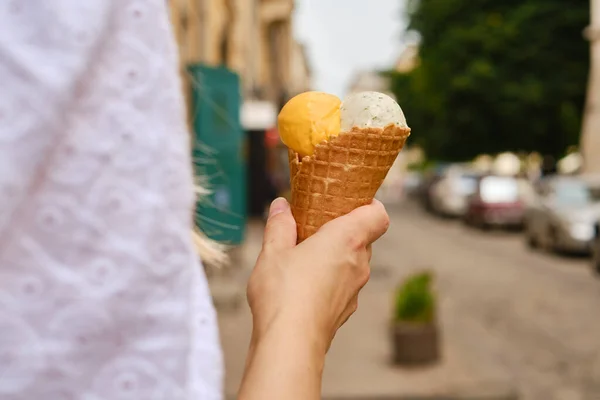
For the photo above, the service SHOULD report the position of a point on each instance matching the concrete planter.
(415, 344)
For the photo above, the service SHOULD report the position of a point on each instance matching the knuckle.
(251, 291)
(355, 242)
(268, 245)
(279, 220)
(385, 220)
(353, 306)
(381, 215)
(364, 274)
(351, 259)
(358, 264)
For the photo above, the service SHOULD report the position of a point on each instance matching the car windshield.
(497, 189)
(573, 194)
(467, 184)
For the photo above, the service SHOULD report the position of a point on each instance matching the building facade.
(409, 59)
(251, 37)
(376, 81)
(590, 136)
(364, 81)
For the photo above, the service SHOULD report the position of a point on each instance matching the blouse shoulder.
(101, 292)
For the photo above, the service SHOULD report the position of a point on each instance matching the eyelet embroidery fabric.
(101, 295)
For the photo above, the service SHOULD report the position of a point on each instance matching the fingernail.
(278, 206)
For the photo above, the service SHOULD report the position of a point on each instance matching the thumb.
(280, 231)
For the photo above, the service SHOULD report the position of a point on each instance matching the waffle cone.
(344, 173)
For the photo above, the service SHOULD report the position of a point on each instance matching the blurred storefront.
(258, 117)
(590, 137)
(252, 39)
(218, 153)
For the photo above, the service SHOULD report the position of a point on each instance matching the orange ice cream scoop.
(308, 119)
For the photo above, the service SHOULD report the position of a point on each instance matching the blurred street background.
(496, 196)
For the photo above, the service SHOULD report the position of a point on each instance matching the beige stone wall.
(408, 59)
(252, 37)
(300, 70)
(590, 140)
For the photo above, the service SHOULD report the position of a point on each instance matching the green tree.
(496, 76)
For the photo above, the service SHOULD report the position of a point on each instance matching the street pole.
(590, 136)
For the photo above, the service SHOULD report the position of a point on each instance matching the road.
(512, 319)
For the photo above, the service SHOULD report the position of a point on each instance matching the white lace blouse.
(101, 295)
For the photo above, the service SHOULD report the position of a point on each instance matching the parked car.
(430, 178)
(564, 215)
(412, 183)
(450, 193)
(497, 201)
(593, 182)
(596, 249)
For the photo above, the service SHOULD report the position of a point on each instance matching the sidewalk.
(358, 364)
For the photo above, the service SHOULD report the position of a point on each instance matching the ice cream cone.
(342, 174)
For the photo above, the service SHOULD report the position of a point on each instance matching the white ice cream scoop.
(370, 110)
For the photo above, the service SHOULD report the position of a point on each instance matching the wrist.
(285, 360)
(295, 331)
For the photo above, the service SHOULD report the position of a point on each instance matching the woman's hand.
(316, 282)
(301, 294)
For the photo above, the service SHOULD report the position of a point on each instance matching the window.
(572, 193)
(497, 189)
(467, 184)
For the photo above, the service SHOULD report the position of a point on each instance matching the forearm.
(284, 363)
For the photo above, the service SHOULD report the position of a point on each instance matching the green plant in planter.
(415, 300)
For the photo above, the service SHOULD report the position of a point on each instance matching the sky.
(344, 37)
